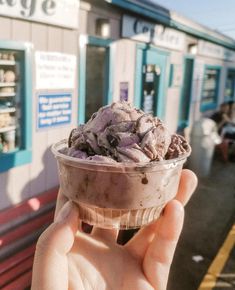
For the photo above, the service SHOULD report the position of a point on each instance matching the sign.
(209, 49)
(124, 91)
(55, 70)
(54, 110)
(157, 34)
(57, 12)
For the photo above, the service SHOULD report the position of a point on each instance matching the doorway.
(95, 77)
(150, 86)
(185, 101)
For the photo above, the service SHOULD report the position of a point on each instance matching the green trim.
(184, 123)
(226, 98)
(96, 41)
(82, 85)
(171, 75)
(165, 18)
(24, 154)
(99, 41)
(164, 66)
(13, 159)
(212, 105)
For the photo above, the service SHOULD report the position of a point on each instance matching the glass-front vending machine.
(15, 103)
(9, 100)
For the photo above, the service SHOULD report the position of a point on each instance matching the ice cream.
(121, 167)
(121, 133)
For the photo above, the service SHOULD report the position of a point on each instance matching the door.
(150, 84)
(95, 76)
(96, 79)
(185, 102)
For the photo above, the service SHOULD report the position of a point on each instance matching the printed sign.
(123, 91)
(206, 48)
(157, 34)
(55, 70)
(57, 12)
(54, 109)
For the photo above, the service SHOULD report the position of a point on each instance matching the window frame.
(211, 105)
(226, 99)
(22, 155)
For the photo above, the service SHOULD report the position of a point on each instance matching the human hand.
(67, 258)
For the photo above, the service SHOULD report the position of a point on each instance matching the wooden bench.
(20, 227)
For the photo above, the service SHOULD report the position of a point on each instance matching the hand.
(67, 258)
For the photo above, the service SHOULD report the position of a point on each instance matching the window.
(230, 86)
(210, 88)
(96, 78)
(15, 105)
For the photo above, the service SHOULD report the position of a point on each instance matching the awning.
(159, 14)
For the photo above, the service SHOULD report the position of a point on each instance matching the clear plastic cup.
(118, 195)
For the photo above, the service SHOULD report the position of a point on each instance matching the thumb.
(50, 269)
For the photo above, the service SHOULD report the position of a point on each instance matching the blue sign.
(54, 109)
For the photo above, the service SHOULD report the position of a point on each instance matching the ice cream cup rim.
(58, 154)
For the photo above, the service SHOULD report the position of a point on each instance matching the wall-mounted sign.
(157, 34)
(124, 91)
(57, 12)
(206, 48)
(55, 70)
(54, 109)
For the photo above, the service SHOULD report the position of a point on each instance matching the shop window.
(230, 86)
(15, 105)
(210, 88)
(96, 78)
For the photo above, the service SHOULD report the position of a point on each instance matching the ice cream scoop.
(121, 167)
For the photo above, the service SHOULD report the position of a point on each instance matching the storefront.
(38, 93)
(60, 63)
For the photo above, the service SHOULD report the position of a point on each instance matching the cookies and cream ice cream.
(121, 167)
(122, 133)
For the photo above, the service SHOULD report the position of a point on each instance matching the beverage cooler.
(15, 102)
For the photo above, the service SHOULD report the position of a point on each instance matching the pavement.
(209, 217)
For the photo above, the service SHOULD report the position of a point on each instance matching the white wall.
(28, 180)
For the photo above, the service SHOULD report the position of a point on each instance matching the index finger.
(60, 202)
(187, 185)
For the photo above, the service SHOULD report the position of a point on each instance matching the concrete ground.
(210, 215)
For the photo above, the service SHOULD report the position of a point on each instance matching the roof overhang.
(174, 20)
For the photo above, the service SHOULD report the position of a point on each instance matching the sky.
(216, 14)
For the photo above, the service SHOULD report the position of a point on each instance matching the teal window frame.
(213, 105)
(226, 98)
(181, 123)
(96, 41)
(22, 155)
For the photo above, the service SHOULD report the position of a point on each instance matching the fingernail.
(64, 212)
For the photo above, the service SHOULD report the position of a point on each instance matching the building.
(55, 71)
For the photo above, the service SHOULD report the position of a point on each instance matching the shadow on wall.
(46, 179)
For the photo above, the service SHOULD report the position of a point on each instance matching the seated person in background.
(231, 112)
(221, 117)
(224, 118)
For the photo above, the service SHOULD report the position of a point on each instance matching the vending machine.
(11, 99)
(15, 104)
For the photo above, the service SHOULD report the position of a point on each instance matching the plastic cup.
(119, 195)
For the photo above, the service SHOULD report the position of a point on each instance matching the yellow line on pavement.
(209, 280)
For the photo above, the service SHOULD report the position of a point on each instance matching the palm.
(99, 263)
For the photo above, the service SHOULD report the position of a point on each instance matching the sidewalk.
(209, 217)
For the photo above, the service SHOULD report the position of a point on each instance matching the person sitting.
(224, 118)
(221, 117)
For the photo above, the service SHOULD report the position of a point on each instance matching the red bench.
(20, 227)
